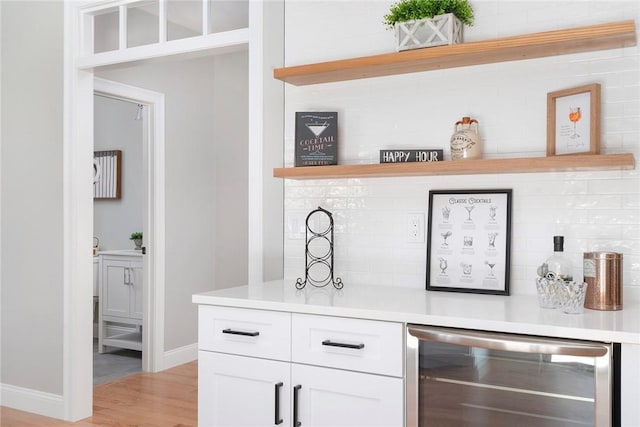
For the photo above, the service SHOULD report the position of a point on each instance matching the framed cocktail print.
(573, 121)
(469, 241)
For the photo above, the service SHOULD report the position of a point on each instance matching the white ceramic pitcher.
(465, 141)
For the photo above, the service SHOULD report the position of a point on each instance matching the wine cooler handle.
(277, 420)
(243, 333)
(342, 344)
(506, 342)
(296, 422)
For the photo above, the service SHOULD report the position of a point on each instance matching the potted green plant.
(428, 23)
(137, 239)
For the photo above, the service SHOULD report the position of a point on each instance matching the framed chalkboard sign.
(316, 142)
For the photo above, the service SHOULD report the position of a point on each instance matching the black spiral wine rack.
(319, 252)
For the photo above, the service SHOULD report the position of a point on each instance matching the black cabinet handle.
(342, 344)
(277, 420)
(246, 334)
(296, 423)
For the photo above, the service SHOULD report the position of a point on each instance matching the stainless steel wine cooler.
(459, 377)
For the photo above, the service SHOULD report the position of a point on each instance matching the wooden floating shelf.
(537, 45)
(568, 163)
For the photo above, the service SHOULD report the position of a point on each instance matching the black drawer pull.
(277, 419)
(296, 422)
(342, 344)
(246, 334)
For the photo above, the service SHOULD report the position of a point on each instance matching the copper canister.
(603, 274)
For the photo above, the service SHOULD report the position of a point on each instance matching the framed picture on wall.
(469, 241)
(107, 171)
(573, 121)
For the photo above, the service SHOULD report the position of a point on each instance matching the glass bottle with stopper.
(557, 265)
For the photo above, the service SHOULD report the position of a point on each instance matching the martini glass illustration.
(317, 128)
(574, 116)
(469, 209)
(491, 265)
(445, 235)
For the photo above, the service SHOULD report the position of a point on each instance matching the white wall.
(272, 36)
(204, 219)
(231, 151)
(595, 210)
(114, 128)
(32, 223)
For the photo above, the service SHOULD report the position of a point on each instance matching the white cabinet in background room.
(249, 375)
(120, 312)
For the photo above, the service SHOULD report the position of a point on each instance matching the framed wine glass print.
(573, 121)
(469, 241)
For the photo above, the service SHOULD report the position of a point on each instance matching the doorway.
(148, 107)
(117, 217)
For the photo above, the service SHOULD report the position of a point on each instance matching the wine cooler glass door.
(464, 378)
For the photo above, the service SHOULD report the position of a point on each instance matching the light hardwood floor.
(164, 399)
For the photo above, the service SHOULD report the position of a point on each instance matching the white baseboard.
(180, 356)
(34, 401)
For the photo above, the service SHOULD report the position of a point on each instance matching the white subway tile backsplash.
(612, 143)
(623, 93)
(614, 216)
(631, 141)
(614, 186)
(631, 201)
(594, 202)
(632, 108)
(594, 210)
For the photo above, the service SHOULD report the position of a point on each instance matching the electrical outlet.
(415, 228)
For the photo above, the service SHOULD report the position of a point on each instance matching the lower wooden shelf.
(568, 163)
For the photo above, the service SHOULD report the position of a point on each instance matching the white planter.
(437, 31)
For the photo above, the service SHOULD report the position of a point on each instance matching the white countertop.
(513, 314)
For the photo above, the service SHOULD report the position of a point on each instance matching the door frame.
(153, 153)
(265, 46)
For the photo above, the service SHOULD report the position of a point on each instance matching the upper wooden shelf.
(537, 45)
(568, 163)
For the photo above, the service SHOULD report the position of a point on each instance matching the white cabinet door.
(115, 288)
(122, 288)
(335, 398)
(242, 391)
(135, 278)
